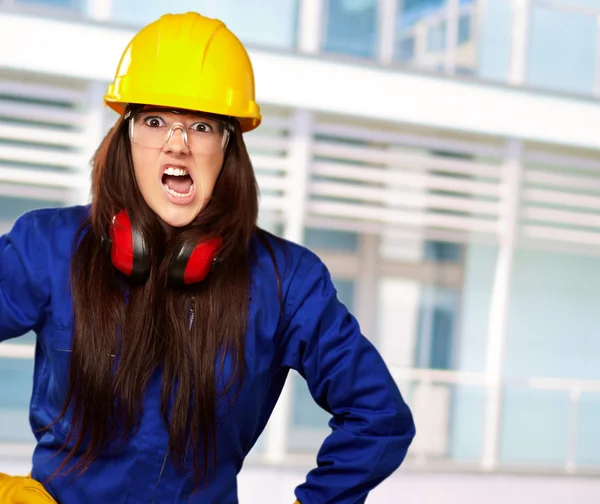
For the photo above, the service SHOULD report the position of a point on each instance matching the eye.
(154, 121)
(201, 127)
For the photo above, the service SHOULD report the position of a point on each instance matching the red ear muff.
(128, 251)
(129, 254)
(194, 262)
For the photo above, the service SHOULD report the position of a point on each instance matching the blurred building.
(442, 156)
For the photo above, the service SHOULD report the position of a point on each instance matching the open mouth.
(177, 182)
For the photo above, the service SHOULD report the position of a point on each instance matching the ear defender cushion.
(128, 251)
(193, 263)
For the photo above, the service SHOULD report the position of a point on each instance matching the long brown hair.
(125, 333)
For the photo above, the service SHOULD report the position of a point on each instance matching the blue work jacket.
(371, 425)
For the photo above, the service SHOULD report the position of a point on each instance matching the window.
(331, 240)
(129, 12)
(421, 30)
(405, 48)
(562, 52)
(436, 329)
(351, 27)
(16, 383)
(271, 225)
(414, 19)
(436, 38)
(13, 207)
(442, 251)
(417, 323)
(52, 3)
(274, 22)
(495, 41)
(464, 29)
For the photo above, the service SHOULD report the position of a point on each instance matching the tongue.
(180, 185)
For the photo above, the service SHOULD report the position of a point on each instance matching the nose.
(176, 140)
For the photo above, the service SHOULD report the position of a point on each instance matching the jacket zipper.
(191, 312)
(160, 475)
(191, 323)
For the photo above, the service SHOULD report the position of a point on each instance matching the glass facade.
(561, 48)
(425, 34)
(561, 51)
(351, 27)
(436, 330)
(129, 12)
(257, 22)
(73, 4)
(16, 382)
(13, 207)
(331, 239)
(494, 46)
(270, 23)
(561, 43)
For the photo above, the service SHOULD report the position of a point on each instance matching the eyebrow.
(198, 115)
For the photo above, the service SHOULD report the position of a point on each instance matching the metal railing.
(434, 405)
(426, 380)
(434, 398)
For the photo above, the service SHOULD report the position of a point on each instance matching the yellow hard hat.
(187, 61)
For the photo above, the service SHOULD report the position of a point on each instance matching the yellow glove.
(22, 490)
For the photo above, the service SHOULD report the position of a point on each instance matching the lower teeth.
(176, 194)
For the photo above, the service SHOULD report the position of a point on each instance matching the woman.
(166, 320)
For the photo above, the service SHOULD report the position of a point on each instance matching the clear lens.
(201, 134)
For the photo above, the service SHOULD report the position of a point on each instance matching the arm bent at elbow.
(372, 427)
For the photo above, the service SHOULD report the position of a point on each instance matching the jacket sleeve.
(24, 281)
(372, 427)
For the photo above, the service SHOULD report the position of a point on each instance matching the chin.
(177, 217)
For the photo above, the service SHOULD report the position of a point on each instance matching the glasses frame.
(225, 121)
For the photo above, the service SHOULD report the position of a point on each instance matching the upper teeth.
(177, 172)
